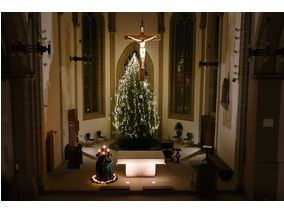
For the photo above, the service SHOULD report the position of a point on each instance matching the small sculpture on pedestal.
(89, 140)
(99, 136)
(189, 139)
(178, 137)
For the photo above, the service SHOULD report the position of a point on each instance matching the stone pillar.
(161, 31)
(243, 99)
(260, 124)
(202, 25)
(25, 77)
(24, 136)
(112, 30)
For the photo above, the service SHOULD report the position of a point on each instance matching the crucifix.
(142, 39)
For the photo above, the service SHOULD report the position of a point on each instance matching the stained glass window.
(182, 65)
(92, 34)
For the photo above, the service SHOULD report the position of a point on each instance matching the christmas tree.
(135, 113)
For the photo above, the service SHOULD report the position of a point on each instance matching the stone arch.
(124, 56)
(49, 152)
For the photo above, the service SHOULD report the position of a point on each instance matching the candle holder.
(104, 171)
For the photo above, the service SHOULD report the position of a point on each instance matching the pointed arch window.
(182, 41)
(93, 71)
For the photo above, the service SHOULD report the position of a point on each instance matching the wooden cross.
(142, 39)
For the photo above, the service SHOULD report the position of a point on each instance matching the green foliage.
(135, 113)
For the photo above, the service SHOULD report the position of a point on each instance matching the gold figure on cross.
(142, 39)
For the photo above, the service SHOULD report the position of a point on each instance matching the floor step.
(115, 188)
(89, 156)
(192, 155)
(158, 188)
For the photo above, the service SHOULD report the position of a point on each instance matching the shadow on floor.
(137, 196)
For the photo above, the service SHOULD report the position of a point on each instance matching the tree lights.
(135, 113)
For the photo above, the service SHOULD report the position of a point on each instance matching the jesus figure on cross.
(142, 48)
(142, 39)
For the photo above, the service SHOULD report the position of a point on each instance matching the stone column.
(25, 76)
(24, 137)
(112, 30)
(161, 31)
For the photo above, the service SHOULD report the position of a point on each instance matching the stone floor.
(176, 175)
(138, 196)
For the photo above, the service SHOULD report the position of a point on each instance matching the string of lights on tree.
(135, 113)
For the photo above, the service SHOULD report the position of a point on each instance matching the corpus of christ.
(142, 39)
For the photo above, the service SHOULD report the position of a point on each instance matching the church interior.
(217, 80)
